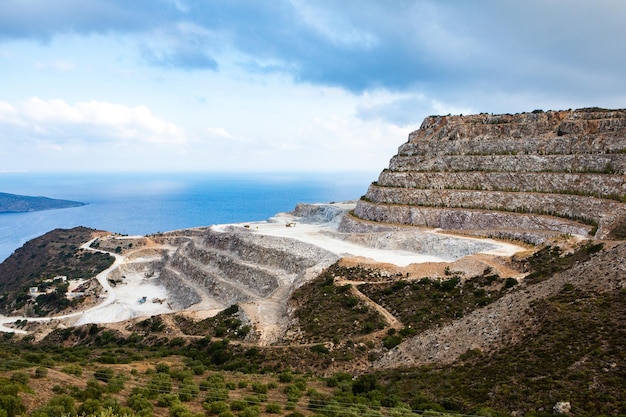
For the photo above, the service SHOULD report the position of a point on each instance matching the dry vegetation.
(343, 322)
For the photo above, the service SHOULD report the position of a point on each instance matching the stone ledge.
(593, 185)
(466, 219)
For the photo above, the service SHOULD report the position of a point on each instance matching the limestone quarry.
(527, 176)
(458, 183)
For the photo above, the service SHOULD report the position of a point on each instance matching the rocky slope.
(528, 176)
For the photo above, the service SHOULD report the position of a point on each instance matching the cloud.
(42, 20)
(9, 114)
(447, 50)
(58, 121)
(185, 58)
(218, 132)
(57, 64)
(185, 45)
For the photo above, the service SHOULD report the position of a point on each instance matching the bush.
(159, 384)
(162, 368)
(285, 376)
(90, 407)
(167, 400)
(392, 341)
(20, 377)
(41, 372)
(365, 384)
(238, 405)
(252, 411)
(319, 348)
(72, 370)
(116, 384)
(510, 282)
(179, 410)
(63, 401)
(188, 390)
(103, 374)
(93, 390)
(140, 405)
(11, 404)
(273, 408)
(259, 388)
(216, 407)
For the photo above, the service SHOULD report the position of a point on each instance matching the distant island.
(13, 203)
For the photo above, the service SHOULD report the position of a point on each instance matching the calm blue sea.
(148, 203)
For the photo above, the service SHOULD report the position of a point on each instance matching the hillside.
(57, 253)
(13, 203)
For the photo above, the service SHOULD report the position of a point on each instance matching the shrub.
(252, 411)
(116, 384)
(273, 408)
(188, 390)
(159, 384)
(319, 348)
(293, 392)
(63, 401)
(11, 404)
(217, 395)
(162, 368)
(103, 374)
(41, 372)
(510, 282)
(72, 370)
(90, 407)
(238, 405)
(93, 390)
(216, 407)
(179, 410)
(285, 376)
(20, 377)
(392, 341)
(259, 388)
(140, 405)
(167, 400)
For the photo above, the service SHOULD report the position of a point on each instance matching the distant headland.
(13, 203)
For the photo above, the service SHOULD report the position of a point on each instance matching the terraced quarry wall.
(529, 176)
(237, 267)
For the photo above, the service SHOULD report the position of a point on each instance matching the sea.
(145, 203)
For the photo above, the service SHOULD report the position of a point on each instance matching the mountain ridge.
(15, 203)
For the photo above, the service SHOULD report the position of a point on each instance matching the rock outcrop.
(527, 176)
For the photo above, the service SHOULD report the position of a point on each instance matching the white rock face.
(562, 408)
(525, 175)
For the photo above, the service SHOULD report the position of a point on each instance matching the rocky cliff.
(529, 176)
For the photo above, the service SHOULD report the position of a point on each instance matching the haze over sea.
(144, 203)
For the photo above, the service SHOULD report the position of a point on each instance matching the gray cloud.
(452, 50)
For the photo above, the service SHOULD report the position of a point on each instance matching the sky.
(283, 85)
